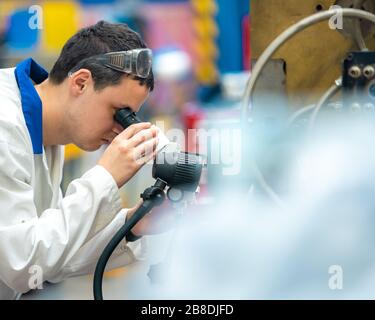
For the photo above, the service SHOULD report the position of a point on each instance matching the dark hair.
(100, 38)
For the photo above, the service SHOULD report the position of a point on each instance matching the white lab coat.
(62, 236)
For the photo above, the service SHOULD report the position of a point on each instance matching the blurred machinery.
(309, 63)
(305, 53)
(359, 81)
(298, 51)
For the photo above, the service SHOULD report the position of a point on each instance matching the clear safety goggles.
(136, 62)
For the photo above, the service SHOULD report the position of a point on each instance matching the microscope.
(180, 172)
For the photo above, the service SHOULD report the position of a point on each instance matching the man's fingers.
(142, 136)
(134, 129)
(143, 160)
(146, 148)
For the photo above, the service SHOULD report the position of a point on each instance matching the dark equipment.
(359, 81)
(178, 170)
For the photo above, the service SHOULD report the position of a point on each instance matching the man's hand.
(129, 151)
(160, 219)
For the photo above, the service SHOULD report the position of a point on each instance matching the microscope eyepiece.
(126, 117)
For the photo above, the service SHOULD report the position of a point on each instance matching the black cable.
(146, 206)
(184, 172)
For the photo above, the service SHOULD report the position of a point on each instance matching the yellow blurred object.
(7, 7)
(115, 273)
(207, 73)
(205, 46)
(61, 21)
(72, 152)
(205, 26)
(206, 51)
(204, 6)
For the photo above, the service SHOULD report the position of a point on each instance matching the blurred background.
(195, 72)
(285, 208)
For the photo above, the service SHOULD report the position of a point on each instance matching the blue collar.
(26, 71)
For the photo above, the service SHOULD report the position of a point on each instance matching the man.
(39, 113)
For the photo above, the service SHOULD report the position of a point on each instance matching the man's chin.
(90, 147)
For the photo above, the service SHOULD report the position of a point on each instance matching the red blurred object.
(169, 24)
(191, 117)
(246, 34)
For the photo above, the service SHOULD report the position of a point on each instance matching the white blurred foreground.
(320, 247)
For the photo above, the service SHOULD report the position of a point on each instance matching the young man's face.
(90, 116)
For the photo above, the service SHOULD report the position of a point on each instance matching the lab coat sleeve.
(84, 262)
(50, 239)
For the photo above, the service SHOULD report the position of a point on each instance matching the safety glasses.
(136, 62)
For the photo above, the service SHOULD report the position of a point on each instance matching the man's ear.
(80, 80)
